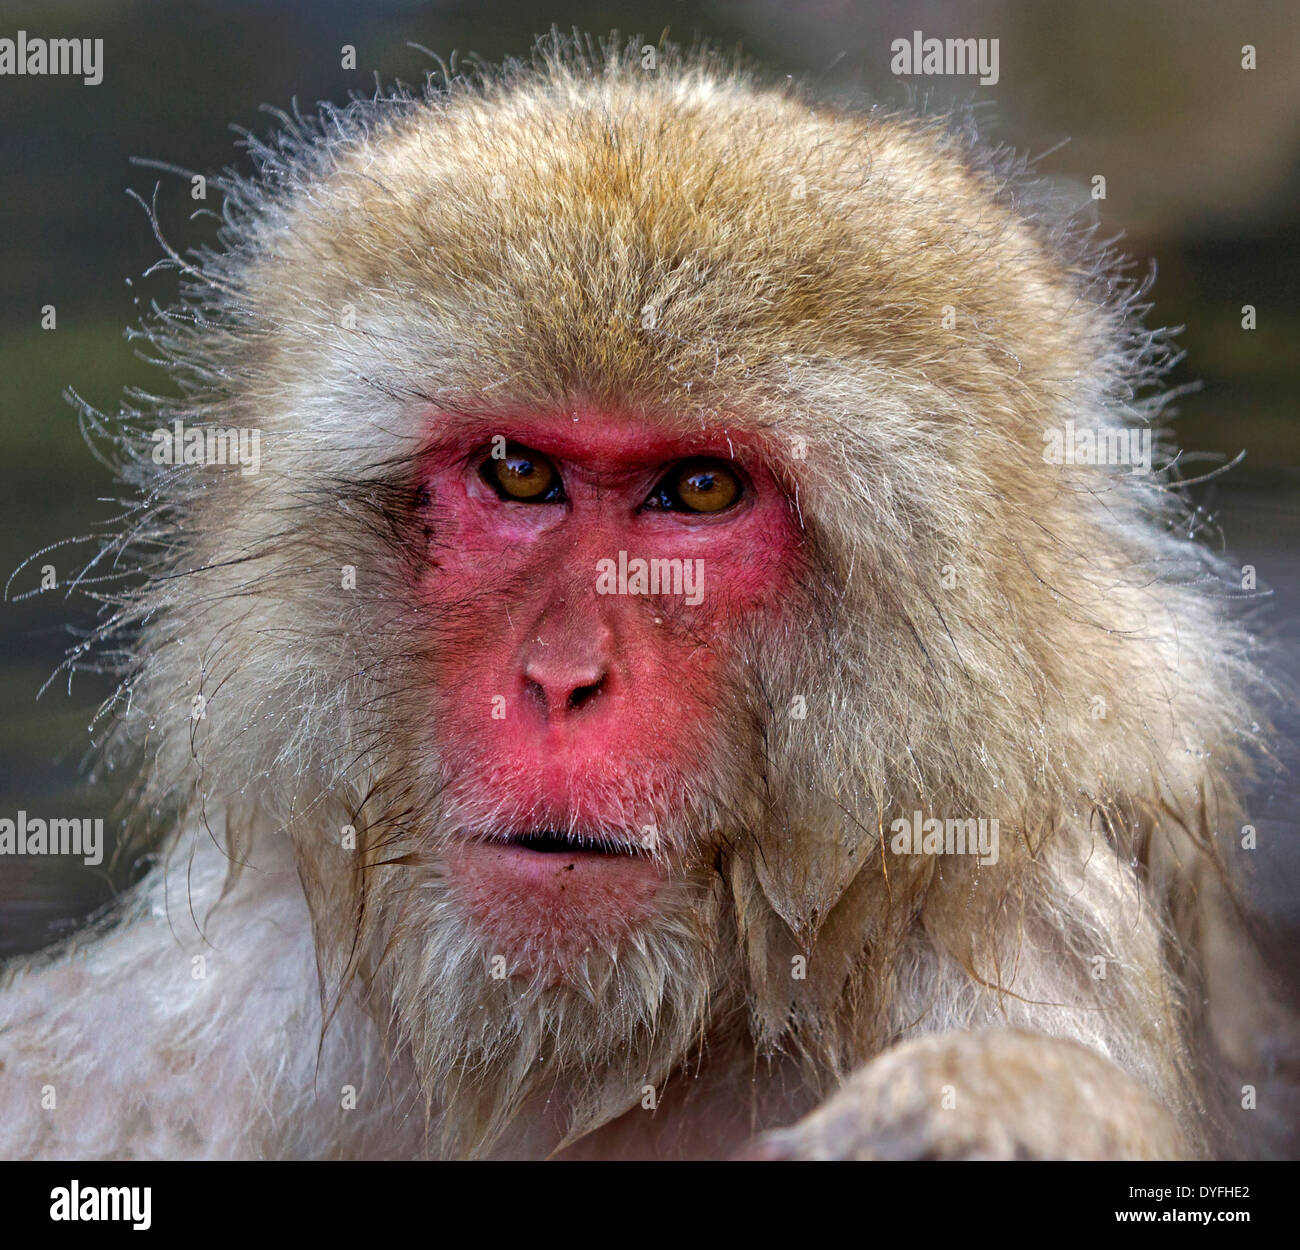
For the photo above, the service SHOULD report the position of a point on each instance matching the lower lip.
(552, 906)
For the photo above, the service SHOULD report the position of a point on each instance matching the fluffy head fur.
(897, 308)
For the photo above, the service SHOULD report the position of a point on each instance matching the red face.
(593, 573)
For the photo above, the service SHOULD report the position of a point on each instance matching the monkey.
(696, 671)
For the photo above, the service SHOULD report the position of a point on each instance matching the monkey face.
(599, 571)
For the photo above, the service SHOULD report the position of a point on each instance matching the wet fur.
(497, 243)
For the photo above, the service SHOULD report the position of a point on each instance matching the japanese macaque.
(708, 662)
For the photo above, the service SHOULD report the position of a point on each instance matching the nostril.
(549, 700)
(581, 695)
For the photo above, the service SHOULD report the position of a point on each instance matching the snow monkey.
(708, 662)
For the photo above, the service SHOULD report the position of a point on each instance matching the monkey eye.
(696, 486)
(523, 476)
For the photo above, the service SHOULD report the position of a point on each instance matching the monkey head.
(652, 507)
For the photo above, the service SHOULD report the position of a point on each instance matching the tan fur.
(693, 247)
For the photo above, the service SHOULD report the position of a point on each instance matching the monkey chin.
(546, 900)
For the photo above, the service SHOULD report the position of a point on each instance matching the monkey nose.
(562, 688)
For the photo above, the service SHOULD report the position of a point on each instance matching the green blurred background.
(1199, 156)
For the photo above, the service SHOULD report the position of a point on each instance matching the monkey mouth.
(547, 896)
(568, 842)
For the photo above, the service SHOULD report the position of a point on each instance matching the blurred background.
(1199, 157)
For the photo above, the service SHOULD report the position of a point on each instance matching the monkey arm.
(992, 1094)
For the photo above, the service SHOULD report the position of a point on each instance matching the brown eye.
(524, 476)
(697, 486)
